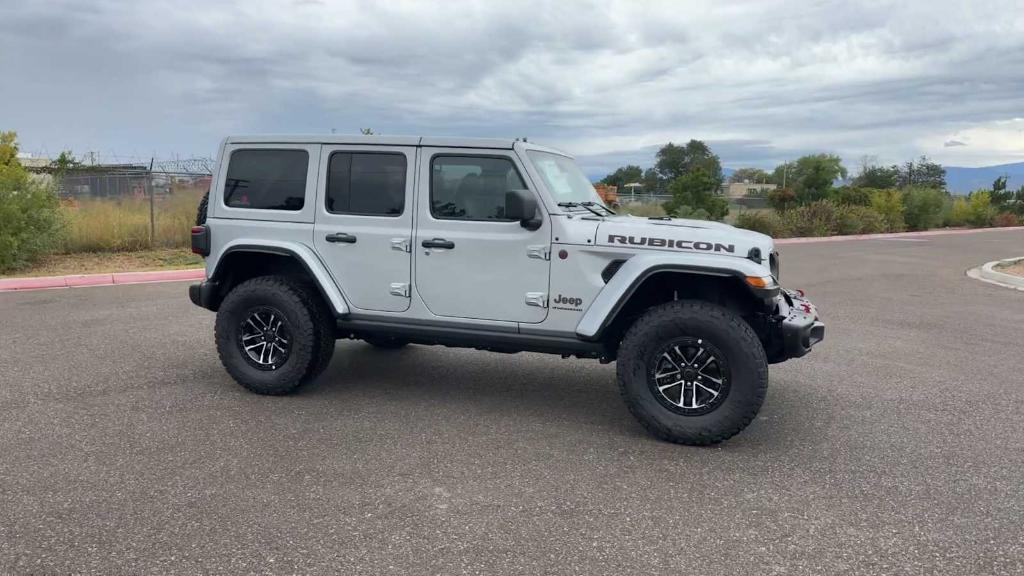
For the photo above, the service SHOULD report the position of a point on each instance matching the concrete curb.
(925, 233)
(987, 273)
(80, 280)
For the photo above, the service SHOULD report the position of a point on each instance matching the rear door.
(364, 221)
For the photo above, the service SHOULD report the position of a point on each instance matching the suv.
(497, 245)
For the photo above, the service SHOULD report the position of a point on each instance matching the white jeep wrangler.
(496, 245)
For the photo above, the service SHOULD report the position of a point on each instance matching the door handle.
(341, 237)
(439, 243)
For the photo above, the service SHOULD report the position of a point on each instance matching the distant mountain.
(963, 180)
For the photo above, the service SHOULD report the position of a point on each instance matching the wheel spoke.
(714, 394)
(709, 361)
(713, 379)
(664, 387)
(251, 346)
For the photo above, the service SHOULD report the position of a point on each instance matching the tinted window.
(266, 179)
(360, 183)
(471, 188)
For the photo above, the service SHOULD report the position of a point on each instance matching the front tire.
(270, 335)
(692, 372)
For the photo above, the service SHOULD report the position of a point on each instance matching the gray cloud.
(952, 143)
(761, 81)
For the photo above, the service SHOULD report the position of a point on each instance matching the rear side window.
(471, 187)
(371, 184)
(266, 179)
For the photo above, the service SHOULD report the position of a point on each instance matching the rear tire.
(666, 389)
(270, 335)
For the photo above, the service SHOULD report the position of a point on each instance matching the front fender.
(640, 267)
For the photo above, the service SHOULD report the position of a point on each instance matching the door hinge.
(400, 289)
(539, 251)
(401, 244)
(538, 299)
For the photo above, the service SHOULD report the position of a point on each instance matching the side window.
(371, 184)
(471, 187)
(266, 179)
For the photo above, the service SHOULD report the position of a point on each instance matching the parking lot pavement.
(895, 447)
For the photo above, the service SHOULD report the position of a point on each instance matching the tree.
(1001, 197)
(674, 161)
(923, 173)
(877, 177)
(755, 175)
(30, 223)
(811, 176)
(697, 190)
(652, 183)
(624, 175)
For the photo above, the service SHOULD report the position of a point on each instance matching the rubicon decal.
(670, 243)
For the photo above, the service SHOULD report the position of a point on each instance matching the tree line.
(806, 200)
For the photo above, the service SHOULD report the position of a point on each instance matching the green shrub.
(922, 207)
(958, 212)
(980, 212)
(764, 222)
(782, 199)
(1006, 219)
(852, 196)
(814, 219)
(889, 205)
(858, 220)
(30, 221)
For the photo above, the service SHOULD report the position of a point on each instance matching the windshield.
(563, 178)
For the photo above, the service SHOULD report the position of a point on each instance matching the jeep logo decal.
(670, 243)
(574, 302)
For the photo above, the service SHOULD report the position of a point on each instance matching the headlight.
(773, 264)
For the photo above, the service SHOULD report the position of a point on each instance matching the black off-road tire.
(723, 329)
(303, 321)
(326, 334)
(385, 342)
(201, 210)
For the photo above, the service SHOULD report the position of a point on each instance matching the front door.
(363, 224)
(471, 262)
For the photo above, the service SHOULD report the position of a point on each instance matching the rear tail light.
(201, 240)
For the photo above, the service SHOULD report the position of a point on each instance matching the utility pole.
(152, 211)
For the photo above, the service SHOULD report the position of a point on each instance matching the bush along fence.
(67, 207)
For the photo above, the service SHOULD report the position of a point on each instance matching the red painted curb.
(79, 280)
(949, 232)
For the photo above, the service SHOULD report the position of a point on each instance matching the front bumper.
(797, 328)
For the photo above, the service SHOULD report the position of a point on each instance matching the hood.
(679, 234)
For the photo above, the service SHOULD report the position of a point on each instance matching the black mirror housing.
(522, 205)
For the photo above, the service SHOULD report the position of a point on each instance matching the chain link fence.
(127, 207)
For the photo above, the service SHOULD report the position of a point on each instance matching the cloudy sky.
(609, 81)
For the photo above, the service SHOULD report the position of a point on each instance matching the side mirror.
(521, 205)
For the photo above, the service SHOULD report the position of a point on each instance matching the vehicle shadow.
(533, 389)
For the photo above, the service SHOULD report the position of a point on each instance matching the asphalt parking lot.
(895, 447)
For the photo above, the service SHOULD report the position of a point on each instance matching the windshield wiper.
(588, 206)
(599, 205)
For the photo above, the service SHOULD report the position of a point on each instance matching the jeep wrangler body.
(496, 245)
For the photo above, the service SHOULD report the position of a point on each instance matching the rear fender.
(300, 252)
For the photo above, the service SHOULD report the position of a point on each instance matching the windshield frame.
(575, 175)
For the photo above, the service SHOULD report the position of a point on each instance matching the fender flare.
(637, 269)
(300, 252)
